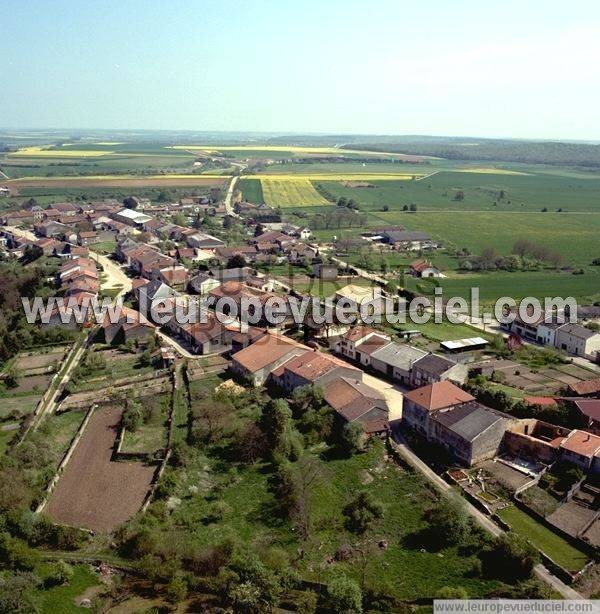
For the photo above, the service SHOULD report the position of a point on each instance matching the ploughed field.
(95, 492)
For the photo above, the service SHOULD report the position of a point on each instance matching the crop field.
(290, 191)
(95, 492)
(251, 190)
(117, 181)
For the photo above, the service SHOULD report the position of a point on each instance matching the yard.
(551, 544)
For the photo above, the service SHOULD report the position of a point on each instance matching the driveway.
(393, 394)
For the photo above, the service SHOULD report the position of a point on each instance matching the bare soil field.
(24, 362)
(95, 492)
(28, 384)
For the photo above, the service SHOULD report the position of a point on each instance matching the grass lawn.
(444, 331)
(23, 404)
(551, 544)
(324, 289)
(62, 598)
(180, 417)
(104, 247)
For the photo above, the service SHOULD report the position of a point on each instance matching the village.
(520, 439)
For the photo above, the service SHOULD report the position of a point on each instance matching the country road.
(229, 197)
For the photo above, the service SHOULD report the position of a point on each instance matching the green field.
(551, 544)
(251, 190)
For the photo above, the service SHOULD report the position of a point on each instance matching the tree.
(236, 261)
(413, 208)
(131, 202)
(342, 201)
(362, 510)
(306, 602)
(344, 596)
(276, 422)
(352, 439)
(308, 475)
(512, 558)
(16, 591)
(459, 196)
(448, 522)
(60, 573)
(133, 417)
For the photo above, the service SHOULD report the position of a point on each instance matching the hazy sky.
(481, 68)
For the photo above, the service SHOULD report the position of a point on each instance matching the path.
(427, 176)
(392, 393)
(412, 459)
(360, 272)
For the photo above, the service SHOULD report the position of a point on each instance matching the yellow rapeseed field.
(490, 171)
(41, 152)
(290, 191)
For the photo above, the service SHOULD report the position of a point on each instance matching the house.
(51, 229)
(434, 368)
(263, 356)
(589, 413)
(17, 218)
(348, 343)
(470, 431)
(87, 237)
(326, 272)
(424, 268)
(396, 360)
(273, 237)
(580, 448)
(210, 337)
(367, 300)
(131, 324)
(354, 401)
(586, 388)
(419, 404)
(203, 283)
(535, 440)
(46, 245)
(65, 208)
(201, 240)
(312, 368)
(174, 276)
(578, 340)
(69, 312)
(153, 292)
(130, 217)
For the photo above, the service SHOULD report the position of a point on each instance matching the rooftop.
(582, 443)
(438, 396)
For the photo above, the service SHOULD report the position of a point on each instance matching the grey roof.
(434, 364)
(399, 355)
(234, 274)
(577, 331)
(468, 420)
(405, 235)
(156, 289)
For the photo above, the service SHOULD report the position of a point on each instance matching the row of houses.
(276, 359)
(572, 338)
(402, 362)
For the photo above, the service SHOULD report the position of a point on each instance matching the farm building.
(131, 217)
(433, 368)
(424, 268)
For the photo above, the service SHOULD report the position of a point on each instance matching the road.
(115, 276)
(229, 197)
(19, 232)
(412, 459)
(360, 272)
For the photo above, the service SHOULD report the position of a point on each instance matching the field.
(95, 492)
(290, 191)
(554, 546)
(251, 190)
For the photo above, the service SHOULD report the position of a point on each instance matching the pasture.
(251, 190)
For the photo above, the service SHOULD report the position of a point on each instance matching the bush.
(511, 558)
(344, 596)
(177, 588)
(452, 592)
(352, 439)
(60, 573)
(306, 602)
(448, 522)
(361, 512)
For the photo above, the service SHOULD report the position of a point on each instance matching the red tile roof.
(581, 442)
(591, 386)
(265, 351)
(438, 395)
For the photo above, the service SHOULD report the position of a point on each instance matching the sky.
(461, 68)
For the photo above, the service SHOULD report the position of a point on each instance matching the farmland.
(95, 492)
(290, 192)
